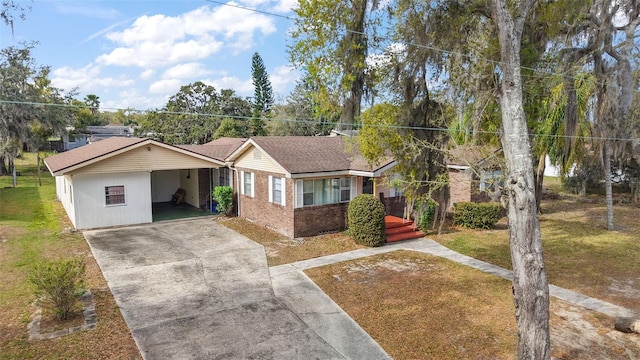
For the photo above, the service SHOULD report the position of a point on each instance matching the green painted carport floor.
(171, 211)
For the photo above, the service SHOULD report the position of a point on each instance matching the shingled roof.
(219, 149)
(89, 152)
(312, 154)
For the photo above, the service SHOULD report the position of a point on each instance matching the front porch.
(398, 229)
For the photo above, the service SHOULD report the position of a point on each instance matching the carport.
(116, 181)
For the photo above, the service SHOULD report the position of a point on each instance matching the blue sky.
(137, 53)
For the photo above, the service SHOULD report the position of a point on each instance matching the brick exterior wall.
(315, 220)
(460, 187)
(260, 211)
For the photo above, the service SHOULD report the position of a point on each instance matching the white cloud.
(231, 82)
(186, 71)
(86, 79)
(147, 74)
(283, 78)
(165, 86)
(159, 40)
(285, 6)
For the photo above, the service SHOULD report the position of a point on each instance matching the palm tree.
(93, 101)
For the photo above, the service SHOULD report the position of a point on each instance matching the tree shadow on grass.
(23, 204)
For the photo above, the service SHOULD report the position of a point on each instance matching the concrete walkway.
(295, 270)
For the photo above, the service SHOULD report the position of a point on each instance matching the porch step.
(394, 222)
(404, 236)
(398, 229)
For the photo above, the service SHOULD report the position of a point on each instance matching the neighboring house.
(301, 186)
(115, 181)
(71, 140)
(75, 139)
(474, 173)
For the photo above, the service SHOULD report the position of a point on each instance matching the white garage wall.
(164, 184)
(91, 210)
(64, 192)
(189, 182)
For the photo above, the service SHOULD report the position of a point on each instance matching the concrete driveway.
(194, 289)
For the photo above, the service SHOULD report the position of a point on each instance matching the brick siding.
(315, 220)
(260, 211)
(460, 187)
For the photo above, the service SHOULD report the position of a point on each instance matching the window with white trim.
(247, 179)
(277, 190)
(324, 191)
(114, 195)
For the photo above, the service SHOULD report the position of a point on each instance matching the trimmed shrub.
(223, 195)
(366, 220)
(476, 215)
(425, 213)
(59, 285)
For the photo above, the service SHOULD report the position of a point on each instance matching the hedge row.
(476, 215)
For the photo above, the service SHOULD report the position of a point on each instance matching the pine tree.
(263, 95)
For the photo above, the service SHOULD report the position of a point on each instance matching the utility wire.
(315, 122)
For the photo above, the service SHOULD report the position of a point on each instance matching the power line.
(315, 122)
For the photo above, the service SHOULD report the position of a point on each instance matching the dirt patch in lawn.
(283, 250)
(419, 306)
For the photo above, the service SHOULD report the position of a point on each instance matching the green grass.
(580, 254)
(32, 227)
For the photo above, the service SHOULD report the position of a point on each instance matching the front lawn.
(418, 306)
(580, 254)
(32, 229)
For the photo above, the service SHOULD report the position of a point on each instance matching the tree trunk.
(530, 287)
(607, 183)
(539, 179)
(14, 175)
(3, 166)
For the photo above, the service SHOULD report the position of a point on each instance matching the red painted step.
(405, 236)
(393, 222)
(401, 229)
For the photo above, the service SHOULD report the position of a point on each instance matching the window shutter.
(354, 187)
(270, 188)
(242, 182)
(283, 186)
(299, 194)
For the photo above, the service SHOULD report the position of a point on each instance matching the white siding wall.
(190, 184)
(164, 184)
(255, 159)
(89, 198)
(64, 192)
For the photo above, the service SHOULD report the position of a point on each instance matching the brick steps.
(398, 229)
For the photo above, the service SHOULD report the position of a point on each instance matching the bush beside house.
(59, 285)
(476, 215)
(223, 196)
(366, 220)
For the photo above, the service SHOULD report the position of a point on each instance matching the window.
(224, 178)
(114, 195)
(247, 183)
(277, 190)
(323, 191)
